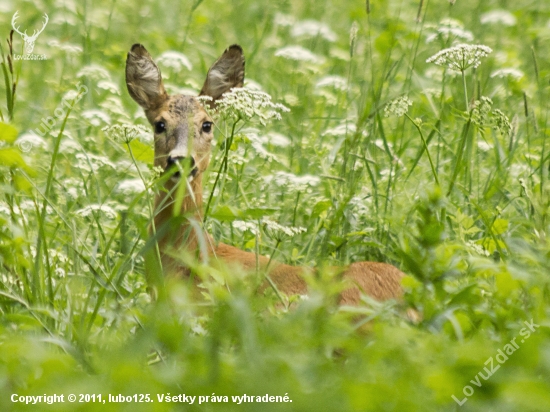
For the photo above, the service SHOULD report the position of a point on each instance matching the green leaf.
(8, 133)
(500, 226)
(11, 157)
(320, 207)
(142, 152)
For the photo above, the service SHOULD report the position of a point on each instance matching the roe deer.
(183, 133)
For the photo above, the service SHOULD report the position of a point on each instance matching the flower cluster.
(275, 229)
(299, 53)
(502, 123)
(175, 61)
(503, 17)
(272, 228)
(510, 73)
(125, 133)
(246, 104)
(313, 29)
(292, 182)
(450, 29)
(461, 57)
(481, 109)
(398, 107)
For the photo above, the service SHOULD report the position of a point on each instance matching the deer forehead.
(179, 109)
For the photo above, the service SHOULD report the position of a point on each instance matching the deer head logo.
(29, 40)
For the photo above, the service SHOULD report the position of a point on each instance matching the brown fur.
(183, 118)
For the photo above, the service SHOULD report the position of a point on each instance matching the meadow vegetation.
(416, 134)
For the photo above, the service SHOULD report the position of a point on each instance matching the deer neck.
(191, 208)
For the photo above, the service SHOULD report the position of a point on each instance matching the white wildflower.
(90, 162)
(480, 250)
(114, 106)
(514, 74)
(252, 85)
(69, 145)
(174, 60)
(336, 82)
(28, 141)
(460, 57)
(484, 146)
(299, 53)
(125, 133)
(131, 186)
(4, 209)
(276, 139)
(257, 144)
(241, 103)
(398, 107)
(341, 130)
(87, 211)
(109, 86)
(67, 47)
(283, 19)
(243, 226)
(503, 17)
(450, 29)
(291, 181)
(277, 229)
(95, 72)
(71, 96)
(96, 117)
(313, 29)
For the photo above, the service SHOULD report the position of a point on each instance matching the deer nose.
(174, 160)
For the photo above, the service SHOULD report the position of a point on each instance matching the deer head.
(29, 40)
(183, 130)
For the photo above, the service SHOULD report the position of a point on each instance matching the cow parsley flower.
(450, 29)
(95, 72)
(514, 74)
(275, 229)
(245, 104)
(502, 122)
(87, 211)
(313, 28)
(481, 109)
(131, 186)
(336, 82)
(299, 53)
(503, 17)
(461, 57)
(398, 107)
(175, 61)
(125, 133)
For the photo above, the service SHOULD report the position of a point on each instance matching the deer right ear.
(143, 78)
(225, 73)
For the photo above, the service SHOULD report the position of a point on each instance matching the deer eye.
(159, 127)
(207, 127)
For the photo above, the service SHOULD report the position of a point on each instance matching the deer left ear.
(143, 78)
(225, 73)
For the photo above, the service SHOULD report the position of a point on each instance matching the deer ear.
(143, 78)
(225, 73)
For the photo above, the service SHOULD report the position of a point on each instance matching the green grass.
(455, 192)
